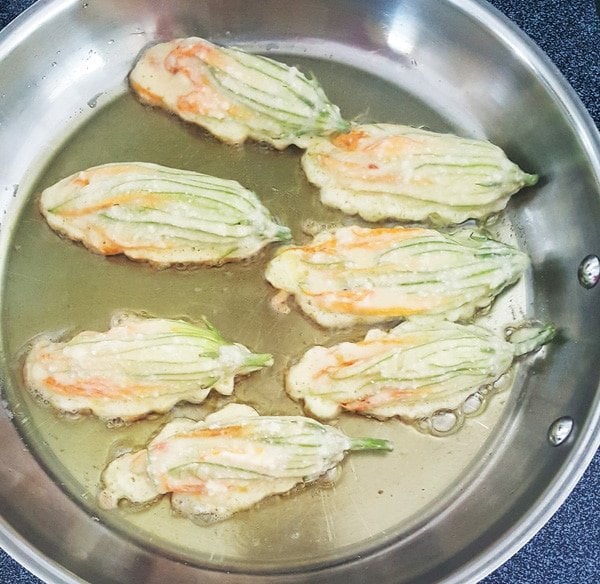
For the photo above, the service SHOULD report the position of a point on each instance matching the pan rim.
(588, 436)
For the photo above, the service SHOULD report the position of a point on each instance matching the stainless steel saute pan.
(440, 509)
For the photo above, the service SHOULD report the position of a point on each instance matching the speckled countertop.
(567, 549)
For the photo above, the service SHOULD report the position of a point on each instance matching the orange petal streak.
(364, 302)
(142, 198)
(383, 397)
(371, 239)
(95, 387)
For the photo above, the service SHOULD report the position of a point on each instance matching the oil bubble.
(503, 382)
(472, 404)
(445, 421)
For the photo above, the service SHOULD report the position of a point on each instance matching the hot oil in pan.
(53, 284)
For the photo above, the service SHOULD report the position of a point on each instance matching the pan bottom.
(375, 497)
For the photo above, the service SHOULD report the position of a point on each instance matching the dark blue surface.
(567, 549)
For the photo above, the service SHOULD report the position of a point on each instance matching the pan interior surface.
(435, 509)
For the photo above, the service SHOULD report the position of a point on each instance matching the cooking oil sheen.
(53, 284)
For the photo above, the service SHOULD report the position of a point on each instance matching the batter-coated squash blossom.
(387, 171)
(419, 367)
(356, 275)
(159, 214)
(233, 94)
(228, 462)
(141, 365)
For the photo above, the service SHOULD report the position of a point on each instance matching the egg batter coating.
(419, 367)
(140, 365)
(354, 275)
(228, 462)
(233, 94)
(388, 171)
(160, 215)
